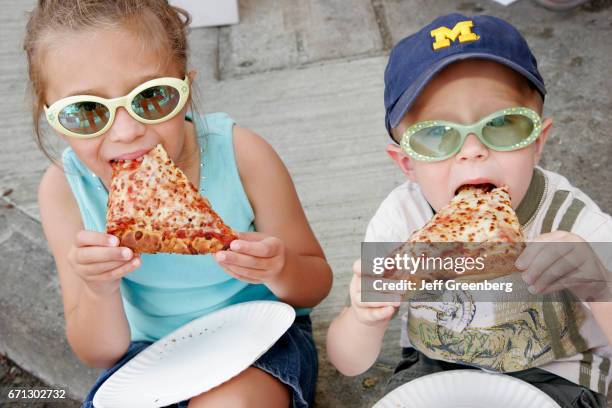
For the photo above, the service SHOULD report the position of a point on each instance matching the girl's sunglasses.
(504, 130)
(86, 116)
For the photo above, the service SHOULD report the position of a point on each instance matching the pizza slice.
(476, 214)
(153, 207)
(478, 222)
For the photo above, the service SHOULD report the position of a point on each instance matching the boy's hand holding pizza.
(562, 260)
(369, 313)
(254, 257)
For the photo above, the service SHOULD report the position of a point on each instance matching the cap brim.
(406, 100)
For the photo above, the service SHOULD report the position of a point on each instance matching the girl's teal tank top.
(169, 290)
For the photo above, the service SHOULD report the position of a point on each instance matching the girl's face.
(110, 64)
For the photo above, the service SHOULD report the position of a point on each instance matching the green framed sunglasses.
(505, 130)
(87, 116)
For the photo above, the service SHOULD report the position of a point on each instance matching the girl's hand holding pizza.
(100, 262)
(254, 257)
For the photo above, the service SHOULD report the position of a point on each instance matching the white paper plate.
(197, 357)
(466, 389)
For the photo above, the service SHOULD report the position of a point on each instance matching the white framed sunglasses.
(87, 116)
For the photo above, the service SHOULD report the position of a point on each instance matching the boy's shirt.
(561, 337)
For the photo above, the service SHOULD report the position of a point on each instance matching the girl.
(116, 302)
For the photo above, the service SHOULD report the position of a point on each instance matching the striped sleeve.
(570, 212)
(569, 209)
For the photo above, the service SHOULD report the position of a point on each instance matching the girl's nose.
(472, 149)
(125, 128)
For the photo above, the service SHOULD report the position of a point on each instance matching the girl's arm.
(96, 327)
(284, 253)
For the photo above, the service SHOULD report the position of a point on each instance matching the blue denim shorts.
(292, 360)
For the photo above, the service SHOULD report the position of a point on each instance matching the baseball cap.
(416, 59)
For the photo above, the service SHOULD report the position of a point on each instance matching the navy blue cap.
(416, 59)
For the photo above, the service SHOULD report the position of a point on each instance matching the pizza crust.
(140, 240)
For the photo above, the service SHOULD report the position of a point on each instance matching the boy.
(462, 69)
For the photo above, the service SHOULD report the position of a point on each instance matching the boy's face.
(464, 93)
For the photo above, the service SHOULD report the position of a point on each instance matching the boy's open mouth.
(485, 187)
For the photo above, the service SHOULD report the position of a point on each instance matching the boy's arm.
(602, 311)
(563, 260)
(354, 338)
(352, 346)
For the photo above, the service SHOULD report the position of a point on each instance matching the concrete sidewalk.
(308, 77)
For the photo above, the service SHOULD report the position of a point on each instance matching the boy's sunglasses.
(86, 116)
(504, 130)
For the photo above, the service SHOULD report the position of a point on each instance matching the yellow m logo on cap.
(444, 35)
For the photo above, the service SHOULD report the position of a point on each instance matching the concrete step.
(284, 34)
(32, 322)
